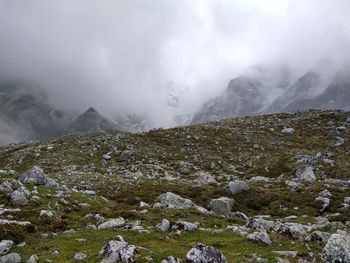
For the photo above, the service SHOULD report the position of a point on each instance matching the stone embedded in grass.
(222, 205)
(80, 256)
(205, 254)
(5, 246)
(260, 236)
(173, 201)
(113, 223)
(237, 186)
(305, 174)
(288, 130)
(46, 213)
(337, 248)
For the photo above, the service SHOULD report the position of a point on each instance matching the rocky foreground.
(271, 188)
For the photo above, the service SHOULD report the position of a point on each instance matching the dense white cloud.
(121, 55)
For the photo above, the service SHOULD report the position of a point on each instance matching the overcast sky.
(128, 55)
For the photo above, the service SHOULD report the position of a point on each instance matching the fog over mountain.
(146, 64)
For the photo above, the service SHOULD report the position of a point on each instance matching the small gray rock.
(113, 223)
(222, 205)
(5, 246)
(80, 256)
(305, 174)
(237, 186)
(164, 226)
(11, 258)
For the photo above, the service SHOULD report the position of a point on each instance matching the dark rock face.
(242, 97)
(89, 121)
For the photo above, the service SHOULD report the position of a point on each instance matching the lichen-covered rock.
(205, 254)
(305, 174)
(222, 205)
(113, 223)
(237, 186)
(337, 248)
(5, 246)
(164, 226)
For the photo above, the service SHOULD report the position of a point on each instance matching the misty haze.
(174, 131)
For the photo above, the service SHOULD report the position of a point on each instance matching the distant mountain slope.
(25, 109)
(336, 95)
(303, 88)
(242, 97)
(90, 120)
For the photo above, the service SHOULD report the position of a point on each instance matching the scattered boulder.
(171, 259)
(11, 258)
(36, 176)
(164, 226)
(173, 201)
(260, 236)
(80, 256)
(205, 254)
(305, 174)
(237, 186)
(337, 248)
(113, 223)
(294, 230)
(260, 223)
(184, 226)
(222, 205)
(20, 196)
(5, 246)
